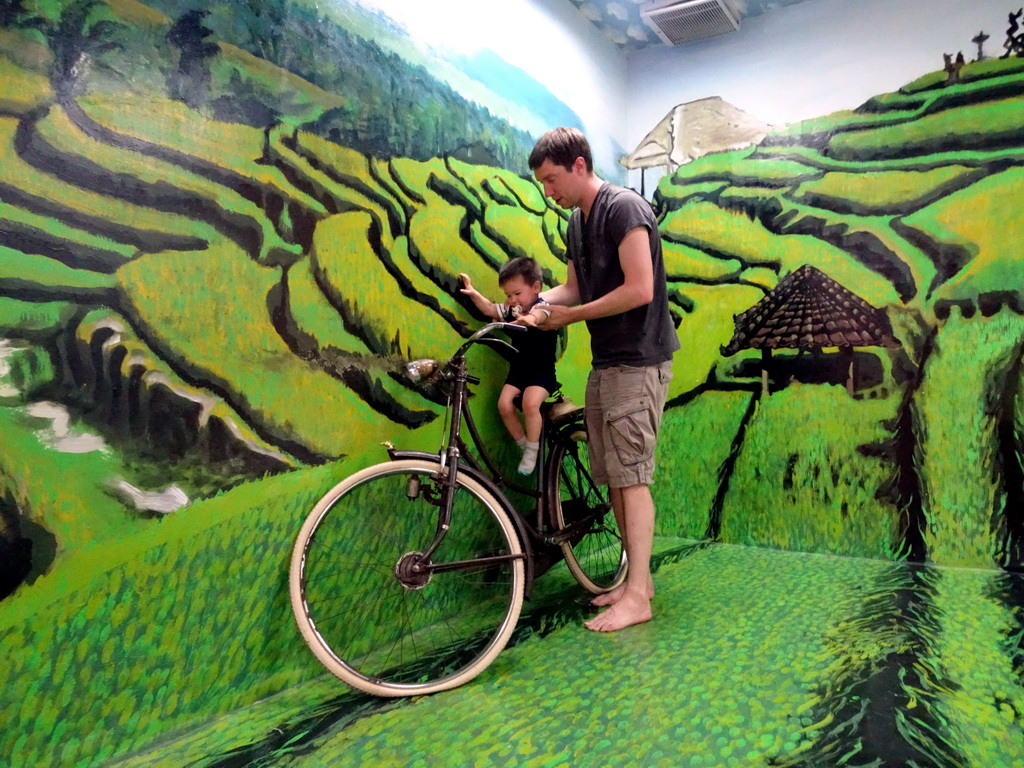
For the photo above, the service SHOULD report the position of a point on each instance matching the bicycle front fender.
(490, 485)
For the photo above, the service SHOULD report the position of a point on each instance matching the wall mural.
(905, 203)
(218, 246)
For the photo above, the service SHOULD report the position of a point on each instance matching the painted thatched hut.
(808, 310)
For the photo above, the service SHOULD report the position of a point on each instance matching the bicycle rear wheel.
(592, 545)
(376, 622)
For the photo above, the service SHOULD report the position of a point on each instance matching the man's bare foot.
(629, 610)
(611, 598)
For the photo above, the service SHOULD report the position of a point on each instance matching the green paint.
(145, 628)
(724, 675)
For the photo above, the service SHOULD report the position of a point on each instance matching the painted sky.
(809, 59)
(578, 75)
(453, 40)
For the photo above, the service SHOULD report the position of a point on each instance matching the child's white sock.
(529, 462)
(521, 442)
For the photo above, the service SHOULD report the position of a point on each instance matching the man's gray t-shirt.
(641, 336)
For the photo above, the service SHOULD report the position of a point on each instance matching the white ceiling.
(621, 23)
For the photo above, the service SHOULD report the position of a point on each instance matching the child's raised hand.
(479, 300)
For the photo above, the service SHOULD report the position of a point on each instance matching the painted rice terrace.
(203, 324)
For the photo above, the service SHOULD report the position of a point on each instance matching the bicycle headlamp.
(418, 370)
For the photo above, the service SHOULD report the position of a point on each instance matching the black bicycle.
(408, 577)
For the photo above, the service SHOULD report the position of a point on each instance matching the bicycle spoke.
(393, 627)
(588, 532)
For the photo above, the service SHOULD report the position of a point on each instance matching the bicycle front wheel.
(590, 538)
(380, 617)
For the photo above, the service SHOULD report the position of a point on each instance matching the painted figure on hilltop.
(1014, 43)
(953, 67)
(979, 40)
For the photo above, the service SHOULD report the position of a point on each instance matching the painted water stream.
(48, 516)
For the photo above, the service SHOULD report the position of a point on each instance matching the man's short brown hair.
(561, 146)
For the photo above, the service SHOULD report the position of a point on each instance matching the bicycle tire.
(591, 545)
(362, 619)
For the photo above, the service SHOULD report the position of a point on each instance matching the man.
(615, 284)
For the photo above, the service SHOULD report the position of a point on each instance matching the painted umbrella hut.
(692, 130)
(808, 310)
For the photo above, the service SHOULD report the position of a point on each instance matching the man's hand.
(549, 317)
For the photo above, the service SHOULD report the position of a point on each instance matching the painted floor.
(754, 658)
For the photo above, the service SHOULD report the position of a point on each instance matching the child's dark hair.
(561, 146)
(524, 267)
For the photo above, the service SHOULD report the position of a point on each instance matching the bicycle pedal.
(563, 409)
(565, 535)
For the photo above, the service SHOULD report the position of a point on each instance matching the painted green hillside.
(911, 202)
(246, 301)
(193, 300)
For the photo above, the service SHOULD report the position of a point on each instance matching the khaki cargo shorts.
(623, 412)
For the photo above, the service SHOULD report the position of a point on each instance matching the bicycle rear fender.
(490, 485)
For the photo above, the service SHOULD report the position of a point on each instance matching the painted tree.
(189, 82)
(11, 12)
(266, 26)
(78, 38)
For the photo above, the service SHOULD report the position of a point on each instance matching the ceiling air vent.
(686, 21)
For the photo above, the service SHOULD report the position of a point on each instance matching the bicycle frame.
(454, 457)
(371, 542)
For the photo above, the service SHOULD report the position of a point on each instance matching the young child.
(532, 371)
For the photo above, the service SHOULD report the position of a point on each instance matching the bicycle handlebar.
(486, 331)
(418, 370)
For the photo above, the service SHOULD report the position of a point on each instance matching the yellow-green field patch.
(20, 90)
(289, 400)
(361, 286)
(881, 191)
